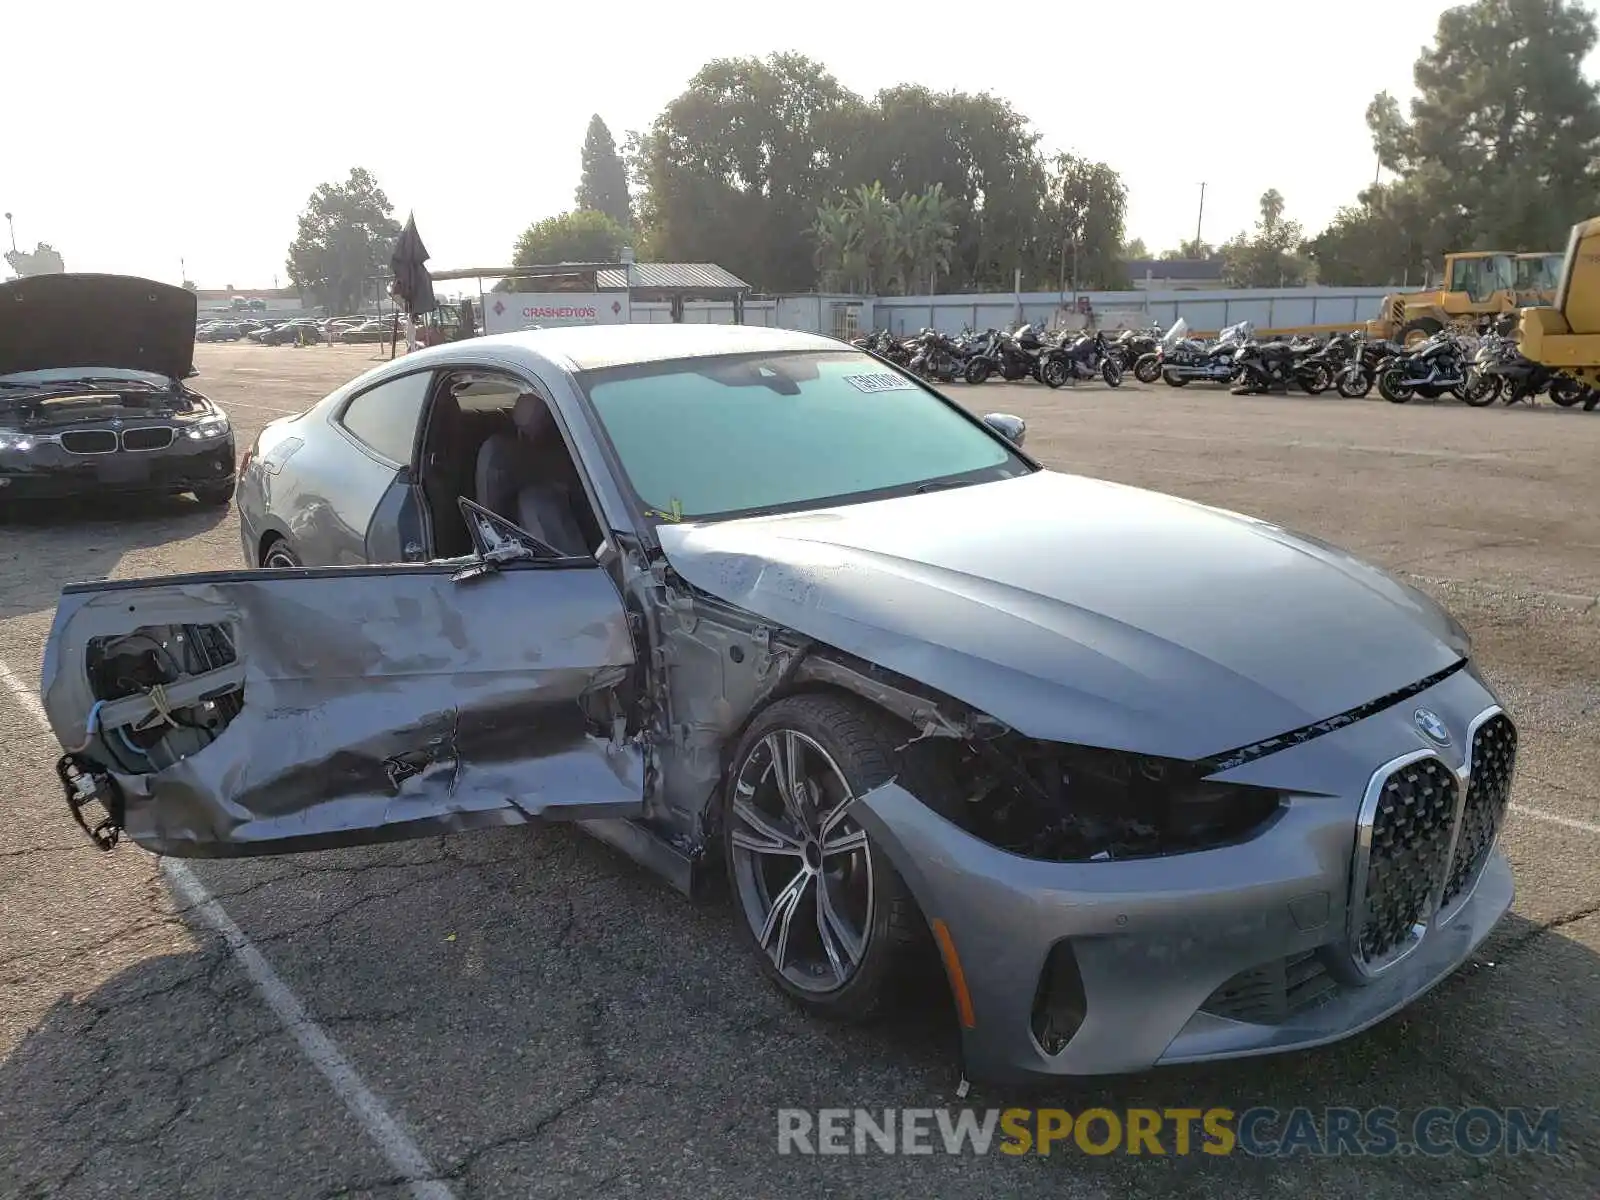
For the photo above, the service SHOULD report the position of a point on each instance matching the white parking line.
(399, 1149)
(1538, 814)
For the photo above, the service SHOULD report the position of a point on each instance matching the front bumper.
(1163, 947)
(50, 472)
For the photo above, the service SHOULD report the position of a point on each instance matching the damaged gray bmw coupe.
(1159, 783)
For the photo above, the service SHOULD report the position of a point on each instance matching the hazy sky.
(140, 134)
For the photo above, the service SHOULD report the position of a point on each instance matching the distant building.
(1175, 274)
(44, 260)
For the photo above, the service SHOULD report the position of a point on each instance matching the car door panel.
(337, 489)
(346, 705)
(395, 532)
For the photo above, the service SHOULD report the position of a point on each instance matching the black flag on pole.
(413, 287)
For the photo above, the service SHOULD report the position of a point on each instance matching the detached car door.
(260, 712)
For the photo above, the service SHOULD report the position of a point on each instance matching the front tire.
(1053, 373)
(1111, 372)
(1316, 379)
(1566, 391)
(279, 556)
(1148, 368)
(832, 923)
(1391, 389)
(1480, 389)
(1354, 383)
(978, 371)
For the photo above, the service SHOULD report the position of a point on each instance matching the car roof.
(595, 347)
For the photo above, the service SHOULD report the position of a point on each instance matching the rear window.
(723, 436)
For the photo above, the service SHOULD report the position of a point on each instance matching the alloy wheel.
(802, 866)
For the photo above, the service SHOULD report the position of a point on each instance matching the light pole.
(13, 230)
(1199, 218)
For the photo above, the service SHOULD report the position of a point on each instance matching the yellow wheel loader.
(1565, 334)
(1477, 286)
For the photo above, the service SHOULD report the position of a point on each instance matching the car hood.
(84, 320)
(1083, 611)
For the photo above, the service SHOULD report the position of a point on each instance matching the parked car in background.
(368, 331)
(103, 408)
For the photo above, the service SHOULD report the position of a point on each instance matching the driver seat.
(527, 477)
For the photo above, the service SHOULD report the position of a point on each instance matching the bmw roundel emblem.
(1432, 726)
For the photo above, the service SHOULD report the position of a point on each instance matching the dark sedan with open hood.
(1158, 783)
(93, 398)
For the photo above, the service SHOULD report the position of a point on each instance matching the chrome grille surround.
(148, 437)
(1491, 765)
(1424, 833)
(89, 441)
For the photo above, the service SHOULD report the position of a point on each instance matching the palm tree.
(931, 234)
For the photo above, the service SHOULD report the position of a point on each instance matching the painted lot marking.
(396, 1144)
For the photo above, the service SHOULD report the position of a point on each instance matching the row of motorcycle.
(1475, 369)
(1053, 359)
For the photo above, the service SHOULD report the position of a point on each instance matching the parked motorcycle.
(1003, 354)
(1131, 345)
(1500, 369)
(1265, 366)
(937, 357)
(1087, 357)
(1364, 362)
(1429, 369)
(1184, 360)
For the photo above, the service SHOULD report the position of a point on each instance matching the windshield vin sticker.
(880, 383)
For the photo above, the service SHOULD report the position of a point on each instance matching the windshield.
(1538, 272)
(730, 435)
(1179, 331)
(1236, 333)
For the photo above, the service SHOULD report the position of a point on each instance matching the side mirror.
(1013, 429)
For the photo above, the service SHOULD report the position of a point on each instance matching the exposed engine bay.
(55, 406)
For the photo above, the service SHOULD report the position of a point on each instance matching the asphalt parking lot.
(524, 1013)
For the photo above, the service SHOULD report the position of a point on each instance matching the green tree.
(604, 185)
(735, 168)
(1374, 242)
(1135, 250)
(1190, 249)
(581, 236)
(346, 234)
(1082, 225)
(1270, 256)
(982, 154)
(869, 241)
(1499, 151)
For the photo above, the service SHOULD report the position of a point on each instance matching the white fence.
(845, 316)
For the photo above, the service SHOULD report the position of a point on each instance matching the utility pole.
(1199, 218)
(13, 229)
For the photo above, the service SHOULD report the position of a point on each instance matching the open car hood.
(85, 320)
(1081, 611)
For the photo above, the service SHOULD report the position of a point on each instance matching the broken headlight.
(1067, 803)
(213, 426)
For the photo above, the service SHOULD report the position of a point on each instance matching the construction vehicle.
(1476, 288)
(1565, 332)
